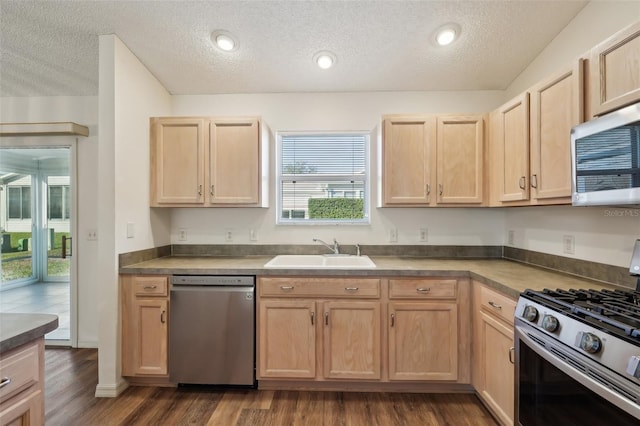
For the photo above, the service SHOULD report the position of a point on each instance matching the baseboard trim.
(112, 390)
(88, 345)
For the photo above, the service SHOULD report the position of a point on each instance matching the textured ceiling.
(51, 47)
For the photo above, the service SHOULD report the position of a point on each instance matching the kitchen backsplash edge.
(582, 268)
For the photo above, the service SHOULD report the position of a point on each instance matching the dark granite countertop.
(507, 276)
(18, 329)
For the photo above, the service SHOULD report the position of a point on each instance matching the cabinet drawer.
(498, 304)
(151, 286)
(423, 289)
(320, 287)
(19, 369)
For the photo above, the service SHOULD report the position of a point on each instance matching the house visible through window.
(58, 206)
(323, 178)
(19, 202)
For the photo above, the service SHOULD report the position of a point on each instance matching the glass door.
(35, 218)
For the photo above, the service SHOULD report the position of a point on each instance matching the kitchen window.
(323, 178)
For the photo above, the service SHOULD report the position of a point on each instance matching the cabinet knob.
(162, 318)
(393, 320)
(212, 190)
(286, 287)
(534, 178)
(423, 289)
(522, 182)
(428, 188)
(199, 189)
(351, 288)
(313, 315)
(440, 188)
(512, 351)
(150, 287)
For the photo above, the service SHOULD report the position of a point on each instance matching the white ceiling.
(51, 47)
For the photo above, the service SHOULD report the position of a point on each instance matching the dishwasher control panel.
(213, 280)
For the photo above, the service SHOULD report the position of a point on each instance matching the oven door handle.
(578, 376)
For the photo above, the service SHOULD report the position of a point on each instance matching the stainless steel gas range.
(578, 357)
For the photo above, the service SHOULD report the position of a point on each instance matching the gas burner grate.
(616, 311)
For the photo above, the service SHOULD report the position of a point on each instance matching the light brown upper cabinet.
(234, 165)
(205, 162)
(614, 71)
(427, 153)
(512, 142)
(531, 141)
(556, 106)
(460, 158)
(408, 158)
(177, 160)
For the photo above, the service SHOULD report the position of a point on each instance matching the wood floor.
(71, 378)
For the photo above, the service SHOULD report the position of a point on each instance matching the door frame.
(71, 142)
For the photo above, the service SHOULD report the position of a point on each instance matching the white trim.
(111, 390)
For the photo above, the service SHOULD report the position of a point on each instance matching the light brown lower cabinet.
(423, 341)
(362, 329)
(145, 325)
(21, 396)
(493, 356)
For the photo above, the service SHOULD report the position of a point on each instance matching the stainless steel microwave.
(605, 159)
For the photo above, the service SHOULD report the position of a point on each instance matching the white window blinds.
(323, 177)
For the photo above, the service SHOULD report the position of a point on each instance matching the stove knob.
(589, 342)
(550, 323)
(633, 367)
(530, 313)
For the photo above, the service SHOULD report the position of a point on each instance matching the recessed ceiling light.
(447, 34)
(324, 59)
(224, 41)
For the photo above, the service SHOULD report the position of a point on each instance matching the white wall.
(338, 111)
(596, 22)
(604, 235)
(129, 94)
(82, 110)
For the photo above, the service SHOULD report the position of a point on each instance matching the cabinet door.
(497, 372)
(25, 411)
(352, 340)
(556, 106)
(460, 159)
(234, 163)
(148, 338)
(177, 161)
(423, 341)
(287, 339)
(614, 71)
(514, 149)
(408, 156)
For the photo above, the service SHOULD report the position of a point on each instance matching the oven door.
(555, 385)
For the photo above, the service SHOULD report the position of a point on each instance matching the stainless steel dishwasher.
(212, 330)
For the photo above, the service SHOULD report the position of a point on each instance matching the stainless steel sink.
(317, 261)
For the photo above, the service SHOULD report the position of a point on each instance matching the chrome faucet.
(335, 249)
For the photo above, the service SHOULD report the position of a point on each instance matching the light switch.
(131, 230)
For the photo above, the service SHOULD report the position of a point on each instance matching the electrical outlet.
(512, 237)
(568, 244)
(424, 235)
(92, 235)
(393, 235)
(228, 235)
(253, 235)
(182, 234)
